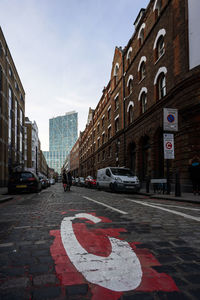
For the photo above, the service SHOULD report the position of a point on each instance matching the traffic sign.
(170, 119)
(168, 143)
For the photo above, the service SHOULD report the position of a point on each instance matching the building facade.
(12, 108)
(158, 68)
(74, 160)
(32, 149)
(62, 136)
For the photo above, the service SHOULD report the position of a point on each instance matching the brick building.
(158, 68)
(74, 160)
(12, 106)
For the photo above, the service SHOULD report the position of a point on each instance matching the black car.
(24, 181)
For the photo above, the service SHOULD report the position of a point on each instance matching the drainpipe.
(124, 113)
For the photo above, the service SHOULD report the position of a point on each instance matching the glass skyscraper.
(63, 134)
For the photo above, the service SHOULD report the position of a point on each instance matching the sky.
(63, 52)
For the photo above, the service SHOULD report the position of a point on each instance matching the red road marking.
(95, 241)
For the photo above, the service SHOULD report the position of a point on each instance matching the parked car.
(43, 181)
(76, 181)
(117, 179)
(48, 182)
(52, 181)
(90, 182)
(24, 181)
(81, 181)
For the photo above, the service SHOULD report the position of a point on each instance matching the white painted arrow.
(120, 271)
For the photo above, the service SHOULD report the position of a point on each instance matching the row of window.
(11, 75)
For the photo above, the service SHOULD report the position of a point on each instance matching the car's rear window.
(23, 175)
(26, 175)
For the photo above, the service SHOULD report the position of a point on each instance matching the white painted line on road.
(183, 207)
(168, 210)
(108, 206)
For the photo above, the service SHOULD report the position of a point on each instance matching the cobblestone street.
(39, 259)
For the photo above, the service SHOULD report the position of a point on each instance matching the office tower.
(62, 136)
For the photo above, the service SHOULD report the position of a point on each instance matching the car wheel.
(112, 188)
(98, 187)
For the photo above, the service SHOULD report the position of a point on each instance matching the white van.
(117, 179)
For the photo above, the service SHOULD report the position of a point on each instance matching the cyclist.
(64, 180)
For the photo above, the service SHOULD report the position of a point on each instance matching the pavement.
(4, 196)
(185, 197)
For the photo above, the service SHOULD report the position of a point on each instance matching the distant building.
(31, 145)
(12, 106)
(62, 136)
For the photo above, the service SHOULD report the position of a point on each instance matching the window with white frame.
(143, 102)
(116, 102)
(130, 84)
(116, 124)
(130, 115)
(128, 57)
(141, 34)
(161, 85)
(116, 74)
(159, 44)
(157, 8)
(142, 71)
(103, 137)
(109, 132)
(160, 47)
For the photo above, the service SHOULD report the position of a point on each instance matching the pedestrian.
(194, 169)
(69, 179)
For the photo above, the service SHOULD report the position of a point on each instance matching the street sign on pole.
(168, 143)
(170, 119)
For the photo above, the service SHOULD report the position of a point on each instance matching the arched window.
(142, 68)
(157, 8)
(143, 102)
(130, 111)
(143, 99)
(159, 44)
(160, 83)
(130, 87)
(130, 115)
(142, 71)
(116, 74)
(141, 34)
(130, 84)
(128, 56)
